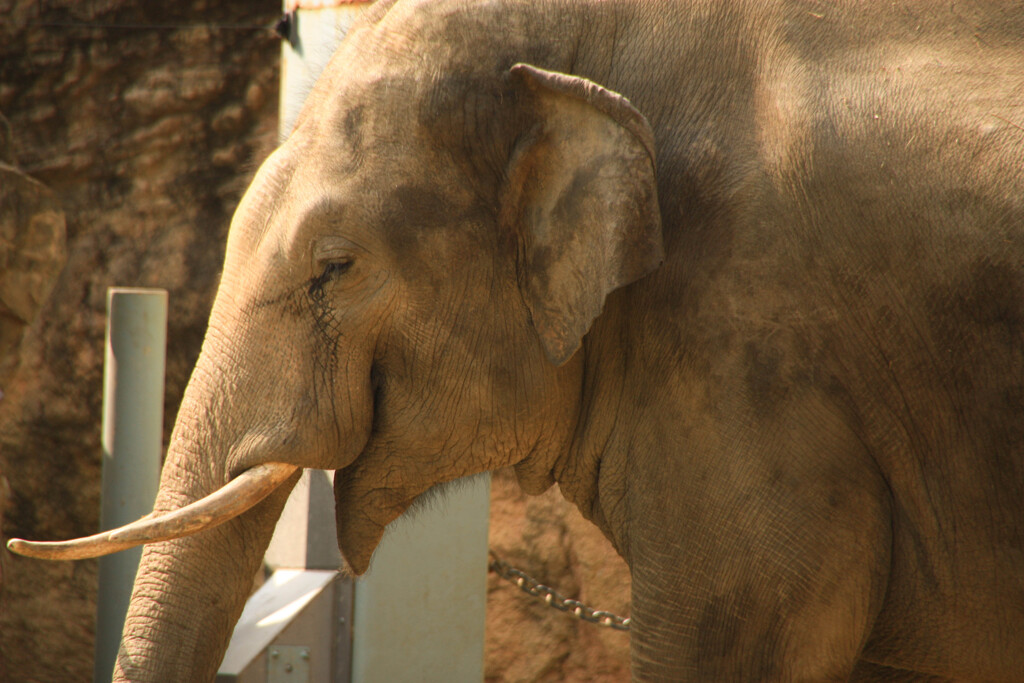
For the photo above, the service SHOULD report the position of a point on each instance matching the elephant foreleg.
(761, 568)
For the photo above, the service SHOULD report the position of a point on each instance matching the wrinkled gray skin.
(781, 367)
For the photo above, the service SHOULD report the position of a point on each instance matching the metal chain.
(553, 598)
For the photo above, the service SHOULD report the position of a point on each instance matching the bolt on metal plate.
(288, 664)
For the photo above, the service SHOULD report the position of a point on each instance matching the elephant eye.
(331, 270)
(335, 268)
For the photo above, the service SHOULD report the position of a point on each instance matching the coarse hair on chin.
(436, 497)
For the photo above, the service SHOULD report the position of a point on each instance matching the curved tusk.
(231, 500)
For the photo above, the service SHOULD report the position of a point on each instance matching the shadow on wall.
(145, 120)
(33, 249)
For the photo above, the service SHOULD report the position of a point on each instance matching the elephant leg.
(766, 564)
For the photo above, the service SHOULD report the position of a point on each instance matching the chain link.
(553, 598)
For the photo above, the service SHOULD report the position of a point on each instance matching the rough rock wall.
(146, 120)
(141, 118)
(547, 538)
(32, 251)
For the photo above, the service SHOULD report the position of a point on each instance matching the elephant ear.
(581, 196)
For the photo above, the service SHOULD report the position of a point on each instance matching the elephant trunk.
(190, 591)
(222, 476)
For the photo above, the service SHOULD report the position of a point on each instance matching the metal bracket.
(284, 28)
(288, 664)
(299, 618)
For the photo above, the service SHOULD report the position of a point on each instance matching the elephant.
(745, 278)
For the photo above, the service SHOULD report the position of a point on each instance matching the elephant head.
(406, 284)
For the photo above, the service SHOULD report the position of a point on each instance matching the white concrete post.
(419, 611)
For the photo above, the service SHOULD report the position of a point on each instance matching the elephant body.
(746, 279)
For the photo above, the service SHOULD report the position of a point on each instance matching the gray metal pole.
(133, 406)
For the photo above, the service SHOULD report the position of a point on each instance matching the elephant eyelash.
(331, 270)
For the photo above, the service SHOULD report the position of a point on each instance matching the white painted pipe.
(133, 406)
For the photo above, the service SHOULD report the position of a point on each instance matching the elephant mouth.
(227, 502)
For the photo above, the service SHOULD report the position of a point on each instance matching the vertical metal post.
(316, 29)
(133, 406)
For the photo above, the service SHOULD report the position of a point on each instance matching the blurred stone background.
(128, 132)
